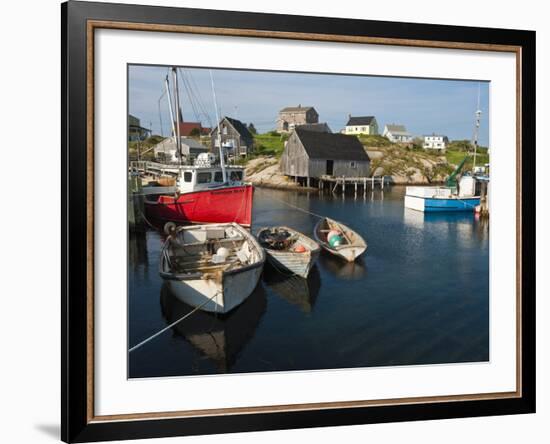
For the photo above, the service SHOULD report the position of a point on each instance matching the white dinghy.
(338, 239)
(212, 267)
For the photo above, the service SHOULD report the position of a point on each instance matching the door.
(330, 167)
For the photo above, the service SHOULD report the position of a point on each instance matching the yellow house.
(361, 125)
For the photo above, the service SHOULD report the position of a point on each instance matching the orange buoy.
(300, 249)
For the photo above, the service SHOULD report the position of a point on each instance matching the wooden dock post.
(382, 182)
(307, 181)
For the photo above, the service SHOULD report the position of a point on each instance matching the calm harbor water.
(420, 295)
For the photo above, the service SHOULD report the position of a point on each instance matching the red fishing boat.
(206, 192)
(202, 196)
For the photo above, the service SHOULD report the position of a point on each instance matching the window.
(187, 176)
(218, 176)
(236, 175)
(224, 129)
(353, 164)
(204, 177)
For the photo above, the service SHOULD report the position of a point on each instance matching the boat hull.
(226, 293)
(438, 204)
(296, 263)
(218, 205)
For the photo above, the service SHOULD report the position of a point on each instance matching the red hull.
(228, 204)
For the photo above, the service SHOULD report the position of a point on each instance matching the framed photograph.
(276, 221)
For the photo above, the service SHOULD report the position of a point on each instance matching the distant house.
(294, 116)
(186, 128)
(166, 151)
(435, 142)
(234, 134)
(361, 125)
(312, 154)
(135, 130)
(397, 133)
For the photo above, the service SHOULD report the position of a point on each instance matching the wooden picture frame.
(79, 22)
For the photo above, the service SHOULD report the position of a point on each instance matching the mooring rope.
(150, 338)
(298, 208)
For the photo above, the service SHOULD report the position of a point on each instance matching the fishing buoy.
(300, 249)
(331, 234)
(169, 227)
(222, 252)
(335, 240)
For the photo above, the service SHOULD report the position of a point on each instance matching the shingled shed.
(313, 154)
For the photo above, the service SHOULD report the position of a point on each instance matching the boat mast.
(172, 119)
(177, 103)
(222, 159)
(476, 127)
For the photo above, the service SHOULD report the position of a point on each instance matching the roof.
(191, 143)
(360, 120)
(320, 145)
(397, 129)
(187, 127)
(294, 109)
(435, 135)
(321, 127)
(240, 127)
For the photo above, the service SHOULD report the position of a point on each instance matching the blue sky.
(424, 106)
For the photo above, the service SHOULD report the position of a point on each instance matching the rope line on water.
(298, 208)
(168, 327)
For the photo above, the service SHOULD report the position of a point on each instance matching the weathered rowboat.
(352, 244)
(289, 249)
(213, 267)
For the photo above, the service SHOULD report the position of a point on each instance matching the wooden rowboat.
(352, 246)
(198, 273)
(289, 250)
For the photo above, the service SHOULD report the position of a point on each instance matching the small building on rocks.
(361, 125)
(234, 135)
(294, 116)
(313, 154)
(435, 142)
(397, 133)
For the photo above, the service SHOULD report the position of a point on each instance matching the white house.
(361, 125)
(397, 133)
(165, 151)
(435, 142)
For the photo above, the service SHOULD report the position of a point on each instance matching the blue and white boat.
(439, 199)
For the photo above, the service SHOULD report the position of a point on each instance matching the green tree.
(195, 133)
(252, 128)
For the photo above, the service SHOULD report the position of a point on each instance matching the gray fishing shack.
(314, 154)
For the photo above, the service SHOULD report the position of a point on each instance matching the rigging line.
(201, 101)
(298, 208)
(168, 327)
(190, 95)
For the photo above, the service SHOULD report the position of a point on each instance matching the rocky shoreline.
(264, 172)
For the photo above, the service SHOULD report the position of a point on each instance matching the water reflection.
(341, 269)
(218, 337)
(294, 289)
(137, 249)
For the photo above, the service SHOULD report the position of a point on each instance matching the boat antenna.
(222, 159)
(178, 112)
(477, 122)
